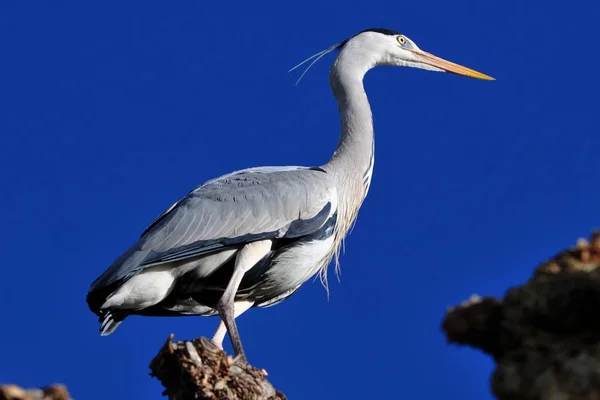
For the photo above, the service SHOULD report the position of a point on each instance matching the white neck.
(352, 163)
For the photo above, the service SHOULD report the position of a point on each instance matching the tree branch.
(198, 369)
(54, 392)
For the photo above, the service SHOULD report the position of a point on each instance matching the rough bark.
(198, 369)
(54, 392)
(543, 335)
(188, 370)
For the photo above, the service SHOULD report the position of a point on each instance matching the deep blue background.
(111, 112)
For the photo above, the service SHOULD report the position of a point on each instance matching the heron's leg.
(219, 335)
(246, 258)
(239, 308)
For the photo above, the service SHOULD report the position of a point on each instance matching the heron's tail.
(109, 323)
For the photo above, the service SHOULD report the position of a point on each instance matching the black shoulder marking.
(302, 227)
(325, 231)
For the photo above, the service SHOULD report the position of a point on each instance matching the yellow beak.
(430, 59)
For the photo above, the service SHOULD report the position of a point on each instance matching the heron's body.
(253, 237)
(182, 263)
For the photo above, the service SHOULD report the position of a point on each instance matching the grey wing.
(245, 206)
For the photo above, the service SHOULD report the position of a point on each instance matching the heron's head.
(388, 47)
(377, 46)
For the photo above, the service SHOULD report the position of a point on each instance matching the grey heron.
(251, 238)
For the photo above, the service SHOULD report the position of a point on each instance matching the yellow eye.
(401, 40)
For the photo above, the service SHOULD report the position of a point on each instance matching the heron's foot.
(241, 361)
(217, 343)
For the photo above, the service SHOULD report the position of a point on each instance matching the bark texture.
(545, 334)
(198, 369)
(54, 392)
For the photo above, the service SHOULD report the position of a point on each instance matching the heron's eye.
(401, 40)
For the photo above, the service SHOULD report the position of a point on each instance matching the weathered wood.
(198, 369)
(54, 392)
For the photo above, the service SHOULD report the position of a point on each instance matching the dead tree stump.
(198, 369)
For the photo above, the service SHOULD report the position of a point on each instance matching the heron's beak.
(430, 59)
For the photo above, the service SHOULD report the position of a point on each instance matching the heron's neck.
(352, 163)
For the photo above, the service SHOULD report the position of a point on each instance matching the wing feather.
(245, 206)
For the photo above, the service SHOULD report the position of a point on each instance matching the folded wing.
(227, 212)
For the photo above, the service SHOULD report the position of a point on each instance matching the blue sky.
(111, 112)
